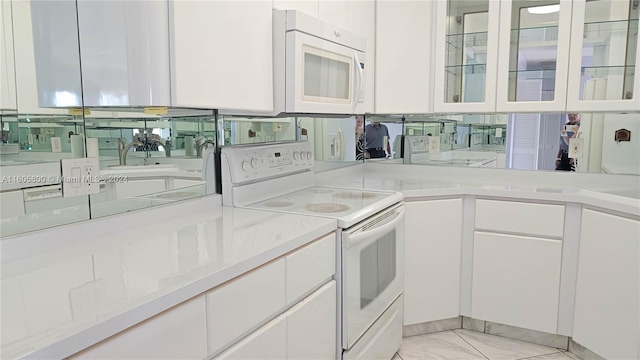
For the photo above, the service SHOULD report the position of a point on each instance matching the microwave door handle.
(377, 230)
(358, 85)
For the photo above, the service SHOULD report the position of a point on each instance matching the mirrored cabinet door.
(604, 56)
(466, 55)
(533, 55)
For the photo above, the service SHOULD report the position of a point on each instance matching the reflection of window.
(65, 98)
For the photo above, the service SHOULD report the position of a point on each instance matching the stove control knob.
(309, 155)
(245, 166)
(296, 155)
(254, 163)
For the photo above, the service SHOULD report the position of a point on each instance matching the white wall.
(622, 157)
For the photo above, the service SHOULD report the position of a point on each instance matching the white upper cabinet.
(7, 70)
(306, 6)
(47, 61)
(221, 54)
(403, 57)
(533, 55)
(466, 55)
(604, 56)
(336, 12)
(124, 48)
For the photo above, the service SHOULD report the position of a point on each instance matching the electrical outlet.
(80, 176)
(87, 300)
(277, 127)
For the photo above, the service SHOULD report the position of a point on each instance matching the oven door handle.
(377, 230)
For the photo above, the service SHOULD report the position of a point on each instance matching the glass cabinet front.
(534, 54)
(467, 55)
(606, 43)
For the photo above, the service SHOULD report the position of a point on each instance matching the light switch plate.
(576, 146)
(80, 176)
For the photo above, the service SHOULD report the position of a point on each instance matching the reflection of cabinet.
(466, 55)
(607, 302)
(433, 243)
(516, 278)
(7, 70)
(403, 57)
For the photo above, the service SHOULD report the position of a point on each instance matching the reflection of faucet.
(123, 150)
(166, 145)
(202, 143)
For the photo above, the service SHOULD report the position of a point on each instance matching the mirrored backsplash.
(587, 142)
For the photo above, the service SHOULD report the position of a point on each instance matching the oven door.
(372, 271)
(324, 77)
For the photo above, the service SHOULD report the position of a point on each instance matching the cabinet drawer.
(310, 266)
(178, 333)
(521, 218)
(242, 304)
(267, 343)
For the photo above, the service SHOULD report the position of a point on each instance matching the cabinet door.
(178, 333)
(605, 56)
(433, 248)
(607, 307)
(124, 48)
(466, 55)
(306, 6)
(403, 57)
(311, 325)
(309, 267)
(533, 55)
(221, 54)
(337, 12)
(267, 343)
(516, 280)
(7, 70)
(242, 304)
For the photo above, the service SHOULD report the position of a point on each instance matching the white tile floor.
(467, 344)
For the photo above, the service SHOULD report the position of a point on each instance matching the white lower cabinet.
(306, 331)
(311, 325)
(607, 305)
(516, 280)
(177, 333)
(433, 241)
(237, 307)
(268, 342)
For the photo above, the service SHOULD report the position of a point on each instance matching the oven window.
(325, 77)
(377, 268)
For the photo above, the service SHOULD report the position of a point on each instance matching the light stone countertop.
(620, 193)
(137, 269)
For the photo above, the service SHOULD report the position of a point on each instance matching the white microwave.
(318, 67)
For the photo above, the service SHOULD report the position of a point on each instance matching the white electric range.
(370, 247)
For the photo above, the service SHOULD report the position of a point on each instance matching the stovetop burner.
(326, 208)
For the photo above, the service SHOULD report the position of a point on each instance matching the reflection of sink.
(143, 167)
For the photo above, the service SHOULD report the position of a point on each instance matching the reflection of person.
(374, 140)
(569, 130)
(360, 137)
